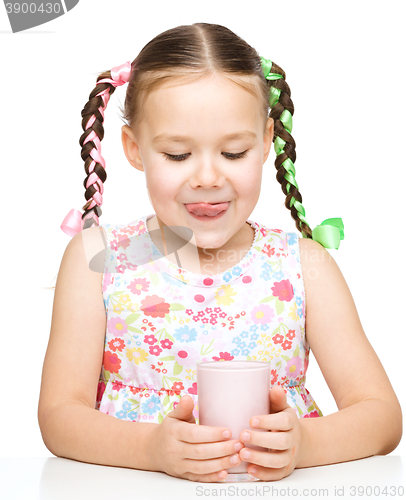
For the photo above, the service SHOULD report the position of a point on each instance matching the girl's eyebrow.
(246, 134)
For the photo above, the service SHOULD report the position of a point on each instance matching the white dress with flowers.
(162, 320)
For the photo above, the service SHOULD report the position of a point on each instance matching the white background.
(344, 63)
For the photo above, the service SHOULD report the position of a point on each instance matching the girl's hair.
(184, 54)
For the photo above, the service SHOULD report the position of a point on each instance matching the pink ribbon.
(73, 222)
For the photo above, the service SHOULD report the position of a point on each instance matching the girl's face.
(183, 147)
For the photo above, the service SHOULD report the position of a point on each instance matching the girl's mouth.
(207, 211)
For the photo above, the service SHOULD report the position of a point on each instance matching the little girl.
(138, 305)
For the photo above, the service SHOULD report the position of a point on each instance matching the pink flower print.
(114, 245)
(293, 367)
(291, 334)
(223, 356)
(313, 414)
(129, 230)
(188, 359)
(139, 285)
(189, 311)
(274, 375)
(116, 345)
(117, 385)
(117, 326)
(177, 387)
(193, 389)
(131, 266)
(150, 339)
(277, 339)
(154, 306)
(263, 231)
(122, 257)
(107, 280)
(283, 290)
(120, 269)
(166, 343)
(108, 408)
(304, 397)
(268, 250)
(276, 230)
(262, 314)
(140, 227)
(155, 350)
(286, 345)
(123, 241)
(111, 362)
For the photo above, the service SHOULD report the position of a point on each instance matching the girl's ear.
(131, 149)
(268, 137)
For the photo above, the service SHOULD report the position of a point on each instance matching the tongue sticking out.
(206, 208)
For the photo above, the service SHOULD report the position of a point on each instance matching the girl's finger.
(205, 451)
(282, 421)
(208, 470)
(213, 477)
(273, 459)
(275, 440)
(202, 434)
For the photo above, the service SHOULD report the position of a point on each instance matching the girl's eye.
(176, 157)
(229, 156)
(236, 156)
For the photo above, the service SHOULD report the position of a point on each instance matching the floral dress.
(162, 320)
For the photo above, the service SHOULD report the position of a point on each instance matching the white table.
(64, 479)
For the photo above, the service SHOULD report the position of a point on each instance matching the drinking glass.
(229, 394)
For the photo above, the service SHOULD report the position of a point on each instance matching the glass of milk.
(229, 394)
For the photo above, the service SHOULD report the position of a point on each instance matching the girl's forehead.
(213, 101)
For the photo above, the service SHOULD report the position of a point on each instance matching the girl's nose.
(206, 174)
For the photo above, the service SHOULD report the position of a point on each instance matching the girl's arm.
(369, 420)
(70, 425)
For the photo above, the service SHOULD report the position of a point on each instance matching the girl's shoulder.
(315, 259)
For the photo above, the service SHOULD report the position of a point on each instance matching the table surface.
(58, 478)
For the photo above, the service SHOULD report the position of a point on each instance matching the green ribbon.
(266, 67)
(329, 233)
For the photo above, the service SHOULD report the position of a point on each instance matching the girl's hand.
(283, 443)
(183, 449)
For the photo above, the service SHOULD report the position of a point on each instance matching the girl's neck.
(209, 261)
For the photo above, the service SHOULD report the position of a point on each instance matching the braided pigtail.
(95, 166)
(282, 110)
(330, 231)
(92, 124)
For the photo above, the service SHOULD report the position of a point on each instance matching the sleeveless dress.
(162, 320)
